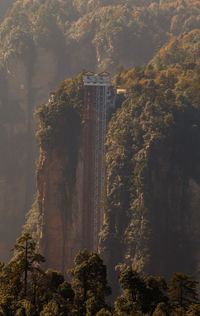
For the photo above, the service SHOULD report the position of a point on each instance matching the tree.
(25, 289)
(132, 282)
(156, 289)
(89, 283)
(26, 257)
(141, 294)
(182, 290)
(132, 300)
(17, 291)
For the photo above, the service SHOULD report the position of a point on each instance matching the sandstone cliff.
(56, 218)
(59, 206)
(22, 88)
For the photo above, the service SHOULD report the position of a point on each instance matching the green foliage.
(48, 294)
(182, 50)
(182, 290)
(25, 289)
(132, 300)
(26, 257)
(89, 283)
(47, 32)
(113, 32)
(17, 292)
(151, 155)
(16, 39)
(60, 119)
(140, 294)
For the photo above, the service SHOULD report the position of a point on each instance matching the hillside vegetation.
(27, 289)
(152, 159)
(97, 34)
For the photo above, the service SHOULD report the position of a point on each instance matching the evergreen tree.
(155, 293)
(182, 290)
(141, 294)
(17, 291)
(132, 300)
(26, 257)
(89, 283)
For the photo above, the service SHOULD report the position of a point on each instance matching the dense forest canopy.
(101, 34)
(152, 163)
(27, 289)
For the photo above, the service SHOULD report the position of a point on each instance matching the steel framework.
(94, 132)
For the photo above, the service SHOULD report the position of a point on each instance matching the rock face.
(59, 205)
(70, 171)
(155, 228)
(59, 177)
(171, 211)
(22, 88)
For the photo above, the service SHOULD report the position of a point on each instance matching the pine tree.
(182, 290)
(26, 257)
(89, 283)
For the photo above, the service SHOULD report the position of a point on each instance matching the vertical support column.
(96, 169)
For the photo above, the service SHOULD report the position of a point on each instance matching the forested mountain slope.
(44, 41)
(152, 159)
(153, 180)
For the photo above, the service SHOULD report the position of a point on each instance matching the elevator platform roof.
(92, 79)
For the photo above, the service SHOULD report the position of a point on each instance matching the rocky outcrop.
(23, 87)
(59, 204)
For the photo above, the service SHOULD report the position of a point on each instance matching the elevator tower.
(96, 103)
